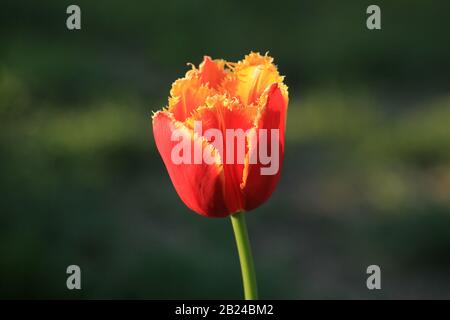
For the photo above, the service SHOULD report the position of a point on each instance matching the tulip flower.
(221, 138)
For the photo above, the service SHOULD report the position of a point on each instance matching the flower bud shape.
(221, 137)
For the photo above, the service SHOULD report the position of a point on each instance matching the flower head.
(221, 137)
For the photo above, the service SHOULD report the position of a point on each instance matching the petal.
(251, 77)
(200, 186)
(257, 188)
(222, 114)
(187, 94)
(212, 72)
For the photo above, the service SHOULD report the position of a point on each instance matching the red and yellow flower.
(248, 95)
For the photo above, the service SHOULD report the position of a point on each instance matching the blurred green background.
(366, 178)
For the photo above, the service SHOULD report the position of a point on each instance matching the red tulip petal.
(257, 188)
(221, 117)
(212, 71)
(200, 186)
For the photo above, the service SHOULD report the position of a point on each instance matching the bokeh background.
(367, 172)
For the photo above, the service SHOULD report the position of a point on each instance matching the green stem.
(245, 256)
